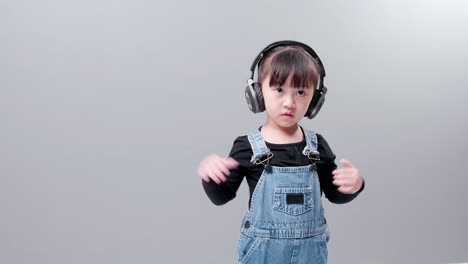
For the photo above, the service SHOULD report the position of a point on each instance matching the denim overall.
(285, 222)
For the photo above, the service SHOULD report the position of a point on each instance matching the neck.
(281, 135)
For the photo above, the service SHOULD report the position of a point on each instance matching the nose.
(289, 102)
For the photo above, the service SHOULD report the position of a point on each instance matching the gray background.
(106, 108)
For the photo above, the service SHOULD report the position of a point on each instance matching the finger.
(219, 174)
(346, 190)
(344, 171)
(346, 180)
(231, 163)
(220, 167)
(202, 173)
(205, 178)
(346, 177)
(216, 178)
(346, 163)
(342, 182)
(213, 174)
(350, 175)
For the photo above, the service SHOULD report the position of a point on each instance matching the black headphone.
(253, 91)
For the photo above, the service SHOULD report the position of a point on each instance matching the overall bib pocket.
(293, 200)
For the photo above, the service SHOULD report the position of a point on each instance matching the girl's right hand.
(215, 168)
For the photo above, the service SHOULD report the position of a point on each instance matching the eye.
(279, 90)
(300, 93)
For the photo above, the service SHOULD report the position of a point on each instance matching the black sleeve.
(324, 170)
(222, 193)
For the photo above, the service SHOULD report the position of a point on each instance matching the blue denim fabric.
(285, 222)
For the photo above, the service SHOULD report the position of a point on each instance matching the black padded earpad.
(317, 101)
(254, 97)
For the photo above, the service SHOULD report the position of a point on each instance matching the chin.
(287, 124)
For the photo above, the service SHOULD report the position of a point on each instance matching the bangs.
(291, 62)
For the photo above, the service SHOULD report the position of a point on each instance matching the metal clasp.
(266, 159)
(313, 156)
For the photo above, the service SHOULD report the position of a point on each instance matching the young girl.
(286, 166)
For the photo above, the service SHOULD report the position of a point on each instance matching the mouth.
(289, 115)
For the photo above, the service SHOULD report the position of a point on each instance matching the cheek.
(268, 99)
(305, 103)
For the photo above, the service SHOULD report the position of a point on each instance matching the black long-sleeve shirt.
(285, 155)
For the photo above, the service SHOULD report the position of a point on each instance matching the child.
(286, 166)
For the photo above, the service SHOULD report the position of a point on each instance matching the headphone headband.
(287, 43)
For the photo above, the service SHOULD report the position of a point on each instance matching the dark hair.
(282, 62)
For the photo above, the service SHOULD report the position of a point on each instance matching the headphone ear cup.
(254, 98)
(317, 102)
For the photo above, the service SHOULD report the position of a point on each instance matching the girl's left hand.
(347, 179)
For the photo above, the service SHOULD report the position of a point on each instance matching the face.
(285, 105)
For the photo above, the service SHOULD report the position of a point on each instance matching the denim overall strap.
(311, 141)
(259, 147)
